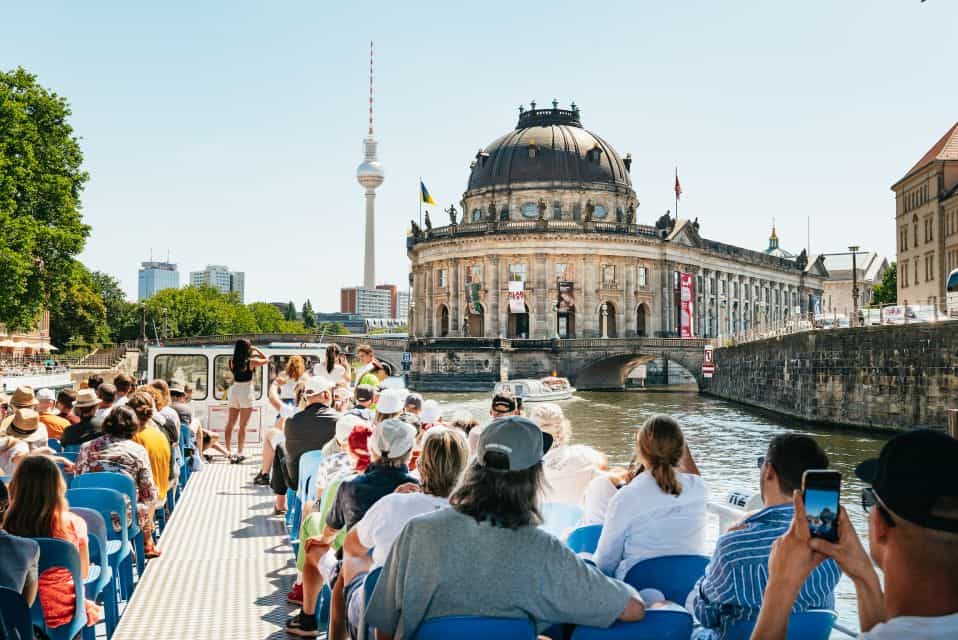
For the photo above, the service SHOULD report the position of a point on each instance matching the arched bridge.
(477, 363)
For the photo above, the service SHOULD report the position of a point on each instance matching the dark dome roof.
(564, 152)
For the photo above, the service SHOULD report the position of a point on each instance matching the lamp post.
(854, 249)
(163, 311)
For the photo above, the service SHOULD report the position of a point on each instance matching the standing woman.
(335, 367)
(39, 509)
(246, 359)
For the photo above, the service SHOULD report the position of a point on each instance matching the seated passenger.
(661, 512)
(734, 582)
(88, 426)
(24, 434)
(39, 509)
(912, 508)
(444, 457)
(569, 468)
(18, 571)
(46, 401)
(390, 449)
(502, 564)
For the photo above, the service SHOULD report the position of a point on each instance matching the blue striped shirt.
(734, 582)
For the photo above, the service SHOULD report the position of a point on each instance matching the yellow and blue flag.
(424, 196)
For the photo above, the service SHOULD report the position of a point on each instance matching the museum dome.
(551, 146)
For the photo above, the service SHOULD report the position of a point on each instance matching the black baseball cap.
(365, 393)
(913, 474)
(518, 441)
(504, 402)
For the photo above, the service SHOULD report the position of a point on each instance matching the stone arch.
(520, 324)
(610, 328)
(442, 320)
(608, 369)
(643, 320)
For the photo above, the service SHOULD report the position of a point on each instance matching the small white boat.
(544, 390)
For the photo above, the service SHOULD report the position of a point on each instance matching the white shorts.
(241, 395)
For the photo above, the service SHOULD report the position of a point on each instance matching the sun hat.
(25, 422)
(391, 401)
(431, 412)
(317, 384)
(23, 397)
(86, 398)
(392, 438)
(914, 477)
(176, 386)
(46, 394)
(345, 425)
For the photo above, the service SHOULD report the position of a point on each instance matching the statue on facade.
(802, 260)
(630, 214)
(453, 214)
(665, 223)
(492, 212)
(504, 214)
(589, 210)
(416, 231)
(542, 209)
(428, 222)
(695, 224)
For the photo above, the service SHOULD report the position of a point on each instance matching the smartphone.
(820, 491)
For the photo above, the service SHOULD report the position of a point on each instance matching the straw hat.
(86, 398)
(25, 421)
(23, 397)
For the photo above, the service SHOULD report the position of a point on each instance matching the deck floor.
(225, 568)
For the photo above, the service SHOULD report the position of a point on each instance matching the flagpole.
(420, 201)
(676, 193)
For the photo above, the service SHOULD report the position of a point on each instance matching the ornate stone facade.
(552, 205)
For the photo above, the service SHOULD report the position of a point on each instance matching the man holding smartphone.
(912, 507)
(731, 589)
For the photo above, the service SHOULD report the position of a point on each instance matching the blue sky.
(230, 132)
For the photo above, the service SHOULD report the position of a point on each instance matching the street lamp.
(854, 250)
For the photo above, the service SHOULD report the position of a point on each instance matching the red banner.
(685, 305)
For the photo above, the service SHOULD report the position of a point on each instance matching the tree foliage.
(887, 291)
(291, 311)
(332, 329)
(122, 316)
(77, 311)
(309, 317)
(40, 184)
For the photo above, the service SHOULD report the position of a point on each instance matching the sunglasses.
(870, 499)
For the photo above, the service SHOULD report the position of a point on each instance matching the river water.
(725, 439)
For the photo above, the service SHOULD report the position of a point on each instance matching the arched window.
(600, 212)
(529, 210)
(477, 214)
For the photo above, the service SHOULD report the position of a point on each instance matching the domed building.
(548, 242)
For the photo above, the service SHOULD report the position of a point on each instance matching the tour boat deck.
(226, 564)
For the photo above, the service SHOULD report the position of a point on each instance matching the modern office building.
(402, 306)
(221, 278)
(156, 276)
(368, 303)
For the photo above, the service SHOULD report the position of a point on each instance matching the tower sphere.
(370, 174)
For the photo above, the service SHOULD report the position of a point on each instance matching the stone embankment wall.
(874, 377)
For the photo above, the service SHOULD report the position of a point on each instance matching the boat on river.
(547, 389)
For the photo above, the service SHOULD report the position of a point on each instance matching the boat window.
(520, 390)
(223, 378)
(277, 364)
(184, 368)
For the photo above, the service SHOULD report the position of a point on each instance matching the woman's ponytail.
(661, 444)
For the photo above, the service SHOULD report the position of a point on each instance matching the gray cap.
(519, 439)
(392, 438)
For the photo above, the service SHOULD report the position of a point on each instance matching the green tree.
(332, 329)
(291, 311)
(193, 311)
(887, 291)
(309, 318)
(122, 316)
(77, 312)
(268, 318)
(40, 185)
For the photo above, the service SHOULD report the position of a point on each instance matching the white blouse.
(644, 522)
(568, 471)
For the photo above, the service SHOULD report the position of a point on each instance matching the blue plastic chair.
(124, 484)
(558, 518)
(308, 462)
(66, 475)
(109, 502)
(72, 448)
(15, 615)
(814, 624)
(186, 442)
(60, 554)
(476, 628)
(100, 579)
(54, 444)
(69, 455)
(674, 576)
(584, 539)
(657, 625)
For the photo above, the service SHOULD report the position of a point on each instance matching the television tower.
(370, 175)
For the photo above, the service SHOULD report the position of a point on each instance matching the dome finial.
(522, 109)
(532, 103)
(555, 103)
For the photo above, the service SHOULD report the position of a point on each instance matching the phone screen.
(821, 492)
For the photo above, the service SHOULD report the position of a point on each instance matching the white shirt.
(337, 375)
(914, 628)
(568, 471)
(385, 520)
(644, 522)
(598, 495)
(12, 448)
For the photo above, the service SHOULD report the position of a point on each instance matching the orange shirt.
(54, 424)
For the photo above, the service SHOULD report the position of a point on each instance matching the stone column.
(588, 313)
(665, 281)
(493, 297)
(628, 328)
(541, 314)
(455, 298)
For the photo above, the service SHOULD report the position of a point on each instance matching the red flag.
(678, 186)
